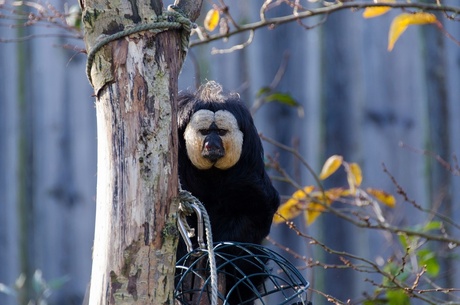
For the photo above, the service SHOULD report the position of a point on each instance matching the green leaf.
(262, 91)
(282, 98)
(375, 302)
(428, 259)
(432, 225)
(397, 297)
(403, 240)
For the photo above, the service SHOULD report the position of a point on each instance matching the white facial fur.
(232, 140)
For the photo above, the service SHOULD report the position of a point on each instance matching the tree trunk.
(135, 82)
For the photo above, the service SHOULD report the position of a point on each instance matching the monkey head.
(216, 130)
(213, 139)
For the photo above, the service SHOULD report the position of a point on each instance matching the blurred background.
(357, 100)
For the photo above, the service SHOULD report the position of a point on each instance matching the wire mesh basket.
(247, 274)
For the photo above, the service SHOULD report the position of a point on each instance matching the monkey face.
(213, 139)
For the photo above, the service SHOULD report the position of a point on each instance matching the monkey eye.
(222, 132)
(204, 132)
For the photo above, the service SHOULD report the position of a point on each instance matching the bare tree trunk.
(135, 82)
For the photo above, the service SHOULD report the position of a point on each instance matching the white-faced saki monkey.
(221, 162)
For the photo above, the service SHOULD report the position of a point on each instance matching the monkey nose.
(212, 152)
(210, 146)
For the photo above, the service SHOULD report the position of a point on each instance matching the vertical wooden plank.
(9, 132)
(63, 111)
(393, 112)
(438, 139)
(393, 109)
(342, 79)
(453, 93)
(25, 183)
(40, 227)
(82, 143)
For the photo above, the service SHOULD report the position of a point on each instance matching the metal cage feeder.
(271, 277)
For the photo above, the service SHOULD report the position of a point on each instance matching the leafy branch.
(411, 271)
(35, 13)
(300, 13)
(395, 277)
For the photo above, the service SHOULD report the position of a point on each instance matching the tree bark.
(135, 83)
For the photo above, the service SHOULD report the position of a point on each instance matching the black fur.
(241, 200)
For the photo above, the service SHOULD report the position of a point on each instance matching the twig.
(401, 191)
(215, 51)
(297, 155)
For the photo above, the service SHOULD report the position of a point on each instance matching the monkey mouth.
(213, 155)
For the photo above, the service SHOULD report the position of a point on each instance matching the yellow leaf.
(374, 11)
(316, 207)
(330, 166)
(292, 208)
(211, 20)
(328, 196)
(312, 212)
(355, 170)
(334, 193)
(354, 177)
(289, 210)
(347, 193)
(382, 196)
(402, 21)
(301, 194)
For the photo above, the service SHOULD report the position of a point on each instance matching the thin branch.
(28, 37)
(400, 190)
(454, 170)
(226, 12)
(297, 155)
(271, 22)
(235, 47)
